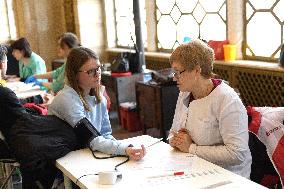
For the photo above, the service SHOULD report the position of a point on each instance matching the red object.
(178, 173)
(121, 74)
(217, 46)
(42, 110)
(129, 120)
(108, 100)
(269, 181)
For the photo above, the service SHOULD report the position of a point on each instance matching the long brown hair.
(76, 59)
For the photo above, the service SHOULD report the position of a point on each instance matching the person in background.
(82, 99)
(29, 62)
(3, 63)
(210, 119)
(66, 42)
(37, 99)
(12, 62)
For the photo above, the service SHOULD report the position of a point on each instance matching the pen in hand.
(170, 136)
(159, 140)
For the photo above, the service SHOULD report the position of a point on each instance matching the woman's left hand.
(182, 141)
(136, 153)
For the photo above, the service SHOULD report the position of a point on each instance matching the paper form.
(21, 86)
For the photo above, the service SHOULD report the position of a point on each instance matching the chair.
(265, 142)
(262, 170)
(9, 163)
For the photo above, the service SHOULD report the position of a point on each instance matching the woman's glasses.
(177, 74)
(92, 72)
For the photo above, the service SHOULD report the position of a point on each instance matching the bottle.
(186, 39)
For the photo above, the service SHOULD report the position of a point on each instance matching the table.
(23, 90)
(160, 158)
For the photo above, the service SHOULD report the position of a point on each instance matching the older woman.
(29, 62)
(82, 104)
(210, 119)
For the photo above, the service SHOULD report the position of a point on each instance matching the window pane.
(260, 43)
(189, 18)
(218, 32)
(88, 19)
(125, 27)
(167, 37)
(4, 34)
(7, 21)
(264, 28)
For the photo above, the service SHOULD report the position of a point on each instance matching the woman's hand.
(47, 98)
(136, 153)
(181, 140)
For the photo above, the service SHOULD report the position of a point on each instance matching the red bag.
(217, 46)
(108, 100)
(42, 110)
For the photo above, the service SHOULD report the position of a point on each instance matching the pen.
(170, 136)
(159, 140)
(179, 173)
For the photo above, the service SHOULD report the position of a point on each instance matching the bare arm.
(47, 75)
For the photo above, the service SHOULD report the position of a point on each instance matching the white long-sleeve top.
(218, 125)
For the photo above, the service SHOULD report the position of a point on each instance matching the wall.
(89, 20)
(41, 22)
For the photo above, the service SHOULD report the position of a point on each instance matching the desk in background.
(156, 105)
(120, 89)
(56, 63)
(160, 158)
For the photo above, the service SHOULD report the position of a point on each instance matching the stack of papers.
(21, 86)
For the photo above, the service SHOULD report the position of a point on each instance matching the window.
(88, 22)
(120, 14)
(7, 21)
(172, 21)
(176, 19)
(264, 29)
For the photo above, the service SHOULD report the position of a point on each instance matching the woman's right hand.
(136, 153)
(172, 138)
(30, 79)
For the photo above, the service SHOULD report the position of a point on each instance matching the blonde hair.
(192, 54)
(76, 59)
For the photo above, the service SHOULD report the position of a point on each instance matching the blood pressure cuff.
(85, 132)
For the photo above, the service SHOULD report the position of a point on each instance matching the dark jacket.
(35, 140)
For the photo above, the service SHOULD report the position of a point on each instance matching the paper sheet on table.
(21, 86)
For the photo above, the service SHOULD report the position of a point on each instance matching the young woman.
(82, 99)
(29, 62)
(66, 42)
(210, 119)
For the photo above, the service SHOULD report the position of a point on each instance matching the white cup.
(107, 177)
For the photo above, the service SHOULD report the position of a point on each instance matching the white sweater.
(218, 125)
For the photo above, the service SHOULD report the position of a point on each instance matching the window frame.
(10, 13)
(245, 38)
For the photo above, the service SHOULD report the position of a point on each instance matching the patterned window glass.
(7, 21)
(124, 21)
(264, 29)
(177, 19)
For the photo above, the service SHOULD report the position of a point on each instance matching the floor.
(117, 130)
